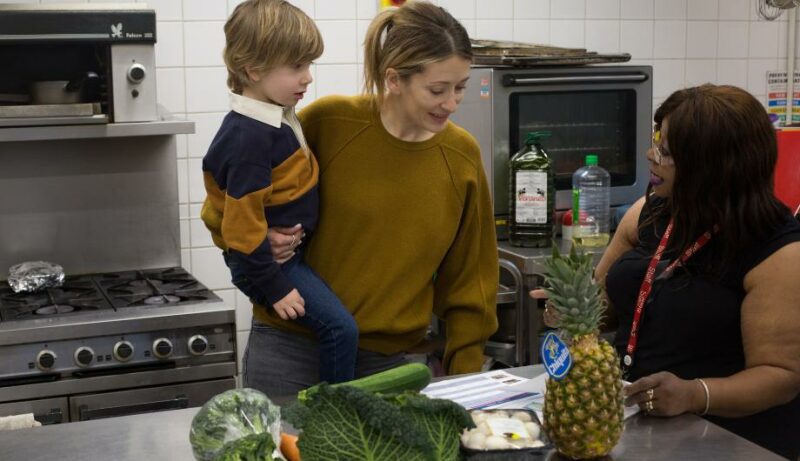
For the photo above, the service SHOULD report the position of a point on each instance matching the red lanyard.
(647, 283)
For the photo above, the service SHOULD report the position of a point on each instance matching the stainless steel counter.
(165, 436)
(529, 260)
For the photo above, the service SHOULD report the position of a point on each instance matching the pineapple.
(583, 412)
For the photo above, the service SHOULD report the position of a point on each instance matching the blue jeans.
(325, 315)
(280, 364)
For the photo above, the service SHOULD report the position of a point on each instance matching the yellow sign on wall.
(387, 3)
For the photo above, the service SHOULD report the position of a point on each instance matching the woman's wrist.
(704, 398)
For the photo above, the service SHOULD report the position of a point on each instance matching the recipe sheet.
(498, 390)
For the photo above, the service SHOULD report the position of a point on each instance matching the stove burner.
(77, 294)
(153, 288)
(162, 299)
(54, 309)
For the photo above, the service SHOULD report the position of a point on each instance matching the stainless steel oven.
(605, 110)
(77, 64)
(129, 330)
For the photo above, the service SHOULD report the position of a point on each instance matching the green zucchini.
(409, 377)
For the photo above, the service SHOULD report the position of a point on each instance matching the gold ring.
(648, 406)
(294, 237)
(650, 393)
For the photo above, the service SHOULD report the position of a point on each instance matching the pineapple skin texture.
(583, 413)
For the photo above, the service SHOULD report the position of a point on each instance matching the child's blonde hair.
(264, 34)
(406, 39)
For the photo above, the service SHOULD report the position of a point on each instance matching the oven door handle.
(54, 416)
(86, 414)
(511, 80)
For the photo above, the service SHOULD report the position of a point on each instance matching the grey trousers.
(280, 364)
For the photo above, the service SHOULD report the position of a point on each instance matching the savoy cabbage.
(348, 424)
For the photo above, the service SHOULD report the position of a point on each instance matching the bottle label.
(531, 197)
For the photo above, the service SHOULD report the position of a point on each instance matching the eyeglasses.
(661, 156)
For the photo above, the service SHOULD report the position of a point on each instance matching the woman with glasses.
(707, 266)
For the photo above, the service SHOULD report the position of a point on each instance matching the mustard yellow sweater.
(406, 229)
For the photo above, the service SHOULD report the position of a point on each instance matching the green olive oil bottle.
(532, 195)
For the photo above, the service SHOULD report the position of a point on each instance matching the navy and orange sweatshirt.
(258, 173)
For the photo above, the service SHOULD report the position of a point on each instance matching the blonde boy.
(259, 172)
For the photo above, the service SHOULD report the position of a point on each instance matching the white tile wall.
(701, 39)
(170, 84)
(568, 9)
(495, 9)
(337, 79)
(340, 9)
(603, 35)
(461, 9)
(670, 9)
(732, 39)
(169, 47)
(602, 9)
(732, 72)
(700, 71)
(703, 9)
(669, 39)
(687, 41)
(636, 38)
(532, 30)
(569, 33)
(205, 89)
(203, 42)
(495, 29)
(735, 9)
(637, 9)
(167, 10)
(341, 44)
(204, 10)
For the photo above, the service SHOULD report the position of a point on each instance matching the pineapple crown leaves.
(576, 297)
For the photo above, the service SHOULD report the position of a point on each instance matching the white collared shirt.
(269, 114)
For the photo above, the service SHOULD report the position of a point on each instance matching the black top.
(691, 324)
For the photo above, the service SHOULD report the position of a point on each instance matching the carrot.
(289, 447)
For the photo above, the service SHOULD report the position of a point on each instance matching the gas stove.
(102, 292)
(104, 331)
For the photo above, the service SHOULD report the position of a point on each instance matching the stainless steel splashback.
(90, 205)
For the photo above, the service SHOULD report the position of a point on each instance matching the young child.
(259, 172)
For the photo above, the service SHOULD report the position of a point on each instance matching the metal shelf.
(110, 130)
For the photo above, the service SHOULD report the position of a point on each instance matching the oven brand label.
(484, 88)
(116, 30)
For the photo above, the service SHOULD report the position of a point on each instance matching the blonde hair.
(406, 39)
(265, 34)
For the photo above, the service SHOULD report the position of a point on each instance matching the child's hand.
(291, 306)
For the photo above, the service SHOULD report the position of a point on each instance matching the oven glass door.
(581, 122)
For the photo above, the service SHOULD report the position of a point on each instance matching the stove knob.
(45, 360)
(123, 351)
(198, 345)
(162, 348)
(136, 73)
(84, 356)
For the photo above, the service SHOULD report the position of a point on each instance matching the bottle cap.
(535, 136)
(591, 159)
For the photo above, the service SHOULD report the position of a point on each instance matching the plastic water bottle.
(531, 195)
(591, 204)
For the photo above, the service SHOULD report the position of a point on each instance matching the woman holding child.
(405, 225)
